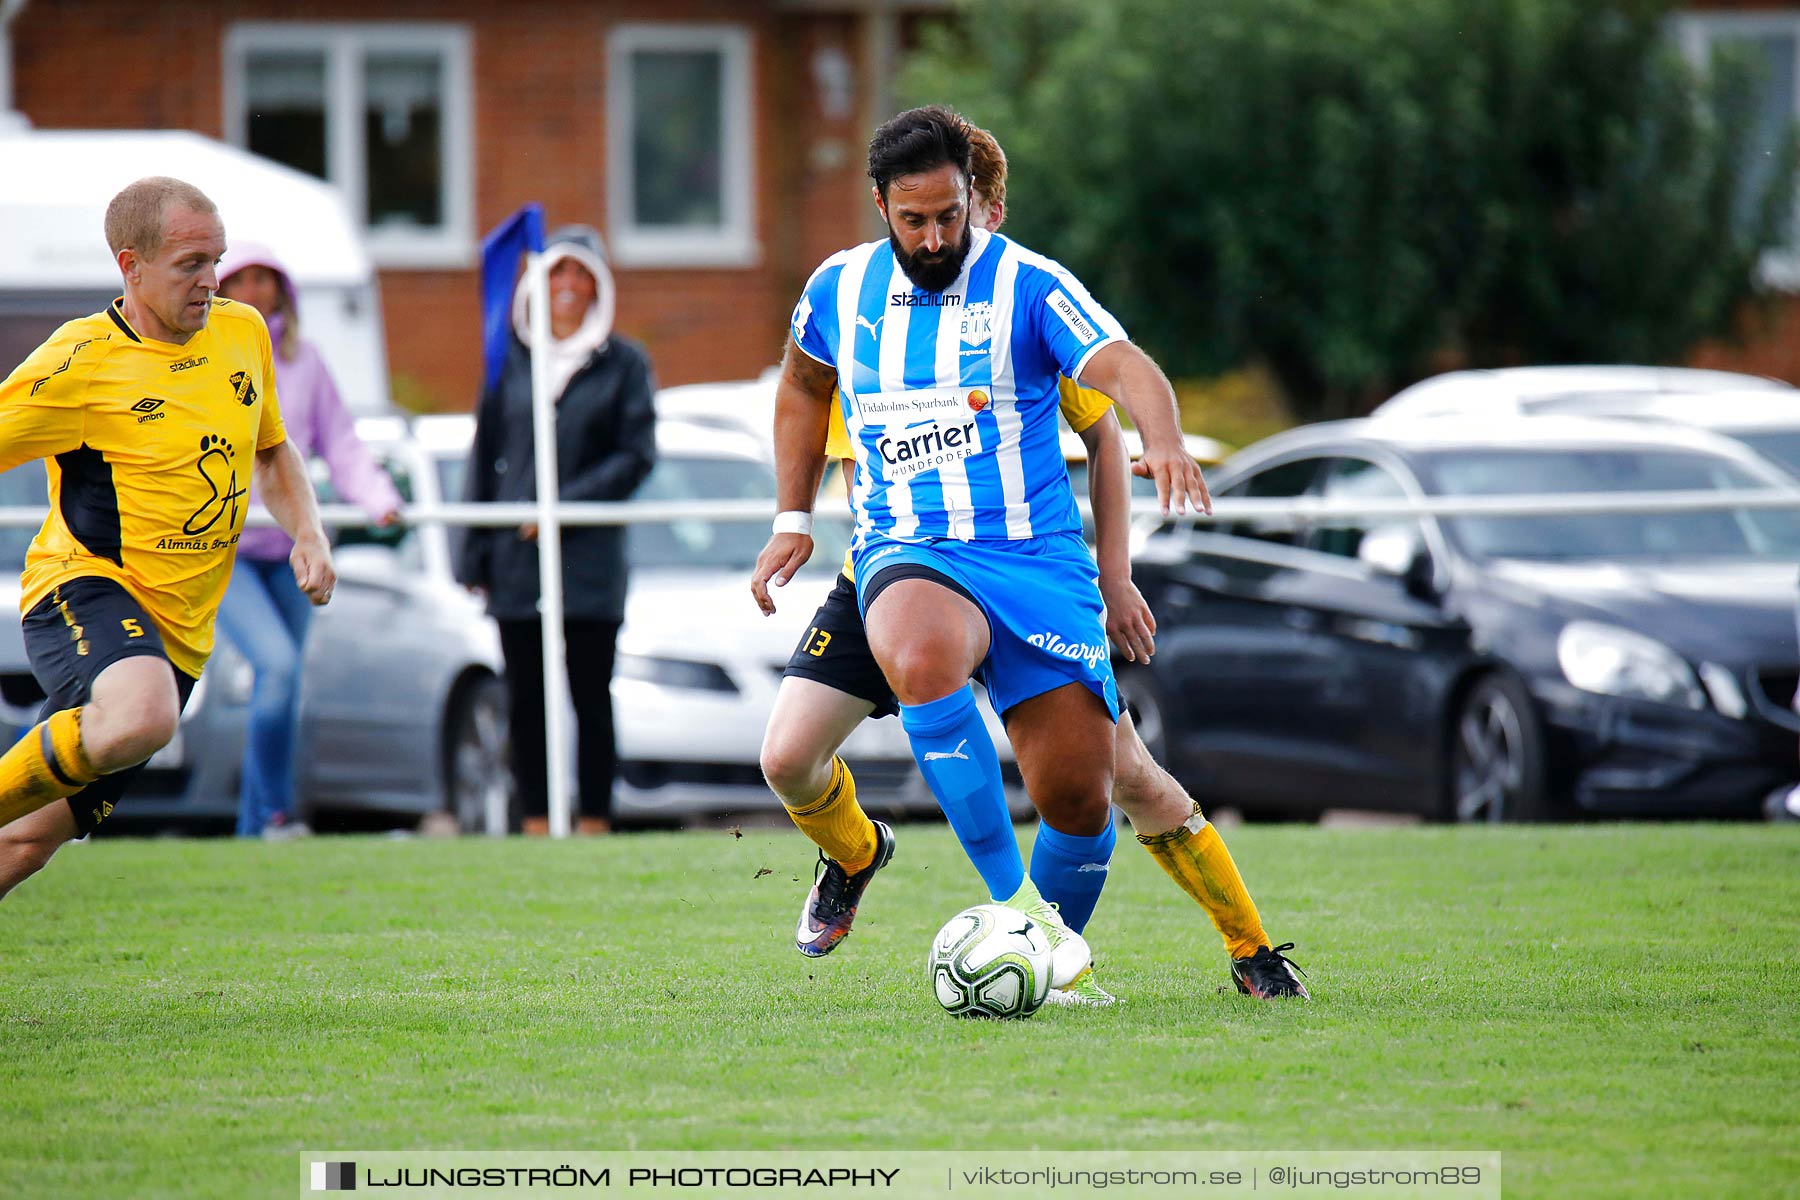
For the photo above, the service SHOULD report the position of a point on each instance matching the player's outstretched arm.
(1129, 622)
(802, 414)
(285, 489)
(1128, 375)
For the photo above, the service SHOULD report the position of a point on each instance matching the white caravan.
(54, 264)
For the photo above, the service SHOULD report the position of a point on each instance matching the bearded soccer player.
(832, 684)
(945, 344)
(149, 416)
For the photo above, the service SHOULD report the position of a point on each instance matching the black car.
(1477, 668)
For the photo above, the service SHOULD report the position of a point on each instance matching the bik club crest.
(978, 323)
(243, 388)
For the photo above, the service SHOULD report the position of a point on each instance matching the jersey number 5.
(132, 628)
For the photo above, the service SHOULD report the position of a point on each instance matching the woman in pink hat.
(264, 613)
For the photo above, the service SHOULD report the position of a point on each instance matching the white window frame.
(1696, 31)
(732, 243)
(344, 47)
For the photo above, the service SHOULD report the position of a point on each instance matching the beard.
(931, 272)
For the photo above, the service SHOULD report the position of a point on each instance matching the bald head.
(167, 238)
(135, 219)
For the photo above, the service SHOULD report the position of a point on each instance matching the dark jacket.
(605, 446)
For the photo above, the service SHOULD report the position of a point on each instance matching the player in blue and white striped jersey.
(945, 344)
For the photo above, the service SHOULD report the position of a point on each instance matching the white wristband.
(794, 521)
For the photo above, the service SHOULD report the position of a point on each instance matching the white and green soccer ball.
(990, 961)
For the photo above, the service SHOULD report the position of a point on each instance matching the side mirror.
(1399, 551)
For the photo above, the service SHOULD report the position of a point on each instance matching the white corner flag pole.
(549, 540)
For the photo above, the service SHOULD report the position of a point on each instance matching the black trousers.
(590, 649)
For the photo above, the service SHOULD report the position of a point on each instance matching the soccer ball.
(990, 961)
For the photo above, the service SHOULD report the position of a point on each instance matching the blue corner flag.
(521, 233)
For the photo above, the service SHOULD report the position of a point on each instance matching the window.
(1283, 482)
(1350, 480)
(403, 540)
(381, 111)
(678, 145)
(1771, 40)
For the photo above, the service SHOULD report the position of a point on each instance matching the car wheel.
(1142, 698)
(477, 771)
(1497, 770)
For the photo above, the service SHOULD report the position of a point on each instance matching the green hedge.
(1353, 192)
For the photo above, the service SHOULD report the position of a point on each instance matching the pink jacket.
(317, 422)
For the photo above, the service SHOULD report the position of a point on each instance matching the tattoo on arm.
(807, 372)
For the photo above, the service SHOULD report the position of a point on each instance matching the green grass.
(1613, 1008)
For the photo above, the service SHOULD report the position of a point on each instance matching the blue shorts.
(1041, 597)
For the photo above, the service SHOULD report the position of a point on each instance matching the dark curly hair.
(919, 139)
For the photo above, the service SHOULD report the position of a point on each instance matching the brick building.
(717, 143)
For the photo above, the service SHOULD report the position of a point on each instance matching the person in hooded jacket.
(605, 446)
(264, 612)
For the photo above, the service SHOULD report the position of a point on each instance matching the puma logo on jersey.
(874, 327)
(934, 755)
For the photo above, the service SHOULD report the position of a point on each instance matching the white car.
(698, 664)
(1522, 391)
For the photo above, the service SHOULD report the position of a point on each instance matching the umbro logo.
(147, 407)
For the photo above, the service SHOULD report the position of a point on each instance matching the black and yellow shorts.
(834, 651)
(81, 628)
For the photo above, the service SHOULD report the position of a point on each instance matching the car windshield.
(1779, 446)
(707, 544)
(451, 468)
(1141, 488)
(1730, 534)
(22, 487)
(699, 542)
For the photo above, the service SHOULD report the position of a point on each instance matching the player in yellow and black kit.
(151, 417)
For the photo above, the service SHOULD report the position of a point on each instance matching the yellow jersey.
(149, 447)
(1080, 406)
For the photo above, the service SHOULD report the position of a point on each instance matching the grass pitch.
(1614, 1008)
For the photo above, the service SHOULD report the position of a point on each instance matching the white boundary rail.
(635, 512)
(552, 516)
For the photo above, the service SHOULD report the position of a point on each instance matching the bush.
(1350, 191)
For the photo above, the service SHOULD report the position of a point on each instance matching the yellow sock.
(837, 824)
(44, 765)
(1194, 856)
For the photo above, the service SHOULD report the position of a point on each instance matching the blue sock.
(1071, 870)
(951, 745)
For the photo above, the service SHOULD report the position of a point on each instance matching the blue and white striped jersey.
(950, 398)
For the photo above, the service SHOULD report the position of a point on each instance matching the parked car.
(1766, 419)
(1478, 668)
(402, 712)
(185, 779)
(402, 706)
(698, 663)
(1522, 391)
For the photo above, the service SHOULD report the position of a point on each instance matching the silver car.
(698, 664)
(402, 711)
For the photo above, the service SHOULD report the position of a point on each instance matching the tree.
(1349, 189)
